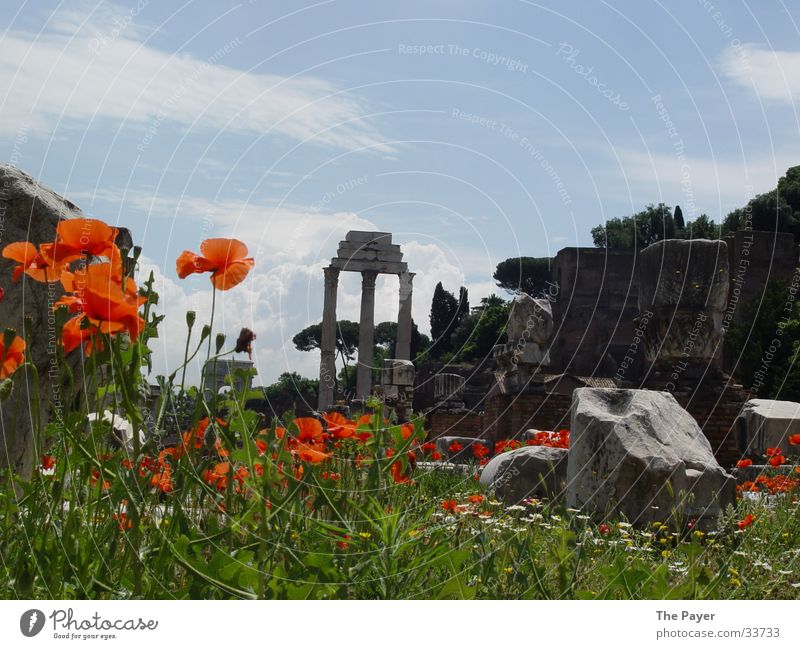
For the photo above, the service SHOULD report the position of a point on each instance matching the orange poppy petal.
(86, 234)
(233, 274)
(223, 251)
(189, 262)
(22, 251)
(309, 429)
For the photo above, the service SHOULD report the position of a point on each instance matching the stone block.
(638, 454)
(527, 472)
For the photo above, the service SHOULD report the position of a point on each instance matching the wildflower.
(81, 238)
(102, 306)
(30, 262)
(455, 447)
(217, 476)
(794, 440)
(225, 259)
(776, 460)
(436, 456)
(244, 343)
(480, 451)
(603, 529)
(13, 356)
(163, 480)
(123, 522)
(476, 499)
(450, 505)
(309, 430)
(744, 463)
(746, 522)
(313, 453)
(339, 426)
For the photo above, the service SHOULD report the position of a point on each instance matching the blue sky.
(474, 131)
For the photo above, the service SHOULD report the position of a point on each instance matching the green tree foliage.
(775, 211)
(386, 339)
(654, 223)
(310, 338)
(291, 392)
(481, 330)
(523, 274)
(767, 344)
(446, 313)
(678, 216)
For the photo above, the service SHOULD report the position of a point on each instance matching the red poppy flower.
(455, 447)
(312, 453)
(476, 499)
(746, 522)
(480, 451)
(225, 259)
(772, 451)
(48, 462)
(309, 430)
(80, 239)
(102, 304)
(30, 262)
(12, 357)
(776, 460)
(450, 506)
(744, 463)
(794, 440)
(436, 456)
(338, 425)
(603, 529)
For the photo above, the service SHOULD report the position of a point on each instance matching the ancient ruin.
(368, 253)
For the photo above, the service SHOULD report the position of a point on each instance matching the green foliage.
(310, 338)
(766, 346)
(774, 211)
(654, 223)
(524, 274)
(481, 330)
(446, 313)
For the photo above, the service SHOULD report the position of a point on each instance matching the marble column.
(403, 347)
(327, 363)
(366, 334)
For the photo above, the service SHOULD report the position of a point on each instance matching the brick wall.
(715, 409)
(443, 423)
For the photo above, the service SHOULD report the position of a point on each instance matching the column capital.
(368, 278)
(331, 274)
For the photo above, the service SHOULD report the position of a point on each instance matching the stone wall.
(454, 424)
(594, 309)
(507, 415)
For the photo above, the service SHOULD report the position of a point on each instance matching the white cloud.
(81, 70)
(771, 74)
(699, 185)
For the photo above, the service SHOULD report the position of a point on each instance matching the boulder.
(466, 454)
(768, 424)
(638, 454)
(28, 212)
(527, 472)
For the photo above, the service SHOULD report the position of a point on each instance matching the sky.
(472, 131)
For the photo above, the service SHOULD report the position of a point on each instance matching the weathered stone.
(28, 212)
(527, 472)
(396, 371)
(530, 320)
(638, 454)
(768, 424)
(683, 289)
(466, 453)
(362, 237)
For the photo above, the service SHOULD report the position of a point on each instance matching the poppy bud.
(220, 342)
(8, 337)
(6, 387)
(205, 333)
(190, 317)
